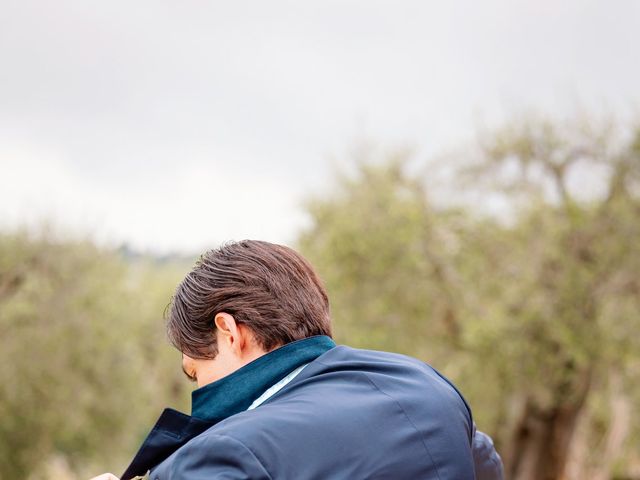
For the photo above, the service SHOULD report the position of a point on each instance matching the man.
(277, 399)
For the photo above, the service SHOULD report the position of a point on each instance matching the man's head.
(250, 293)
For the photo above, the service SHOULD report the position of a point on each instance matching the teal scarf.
(236, 392)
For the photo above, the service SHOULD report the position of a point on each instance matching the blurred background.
(464, 175)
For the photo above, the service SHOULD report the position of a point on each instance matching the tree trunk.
(541, 439)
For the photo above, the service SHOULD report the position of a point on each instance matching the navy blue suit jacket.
(350, 414)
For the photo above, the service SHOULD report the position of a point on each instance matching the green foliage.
(84, 367)
(372, 243)
(530, 314)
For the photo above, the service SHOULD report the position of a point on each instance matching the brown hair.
(270, 288)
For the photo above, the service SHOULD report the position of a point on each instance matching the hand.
(105, 476)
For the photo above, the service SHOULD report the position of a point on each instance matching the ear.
(230, 333)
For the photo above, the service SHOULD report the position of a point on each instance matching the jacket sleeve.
(487, 462)
(217, 457)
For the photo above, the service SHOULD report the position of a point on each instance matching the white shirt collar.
(275, 388)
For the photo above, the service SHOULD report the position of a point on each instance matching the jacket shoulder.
(346, 407)
(394, 370)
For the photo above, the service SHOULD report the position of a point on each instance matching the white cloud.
(187, 209)
(174, 125)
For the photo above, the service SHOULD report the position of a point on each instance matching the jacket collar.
(237, 391)
(221, 399)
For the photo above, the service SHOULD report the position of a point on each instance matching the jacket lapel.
(172, 430)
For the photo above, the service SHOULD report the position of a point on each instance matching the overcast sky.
(176, 125)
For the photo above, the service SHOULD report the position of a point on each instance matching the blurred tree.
(378, 248)
(569, 289)
(81, 345)
(527, 315)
